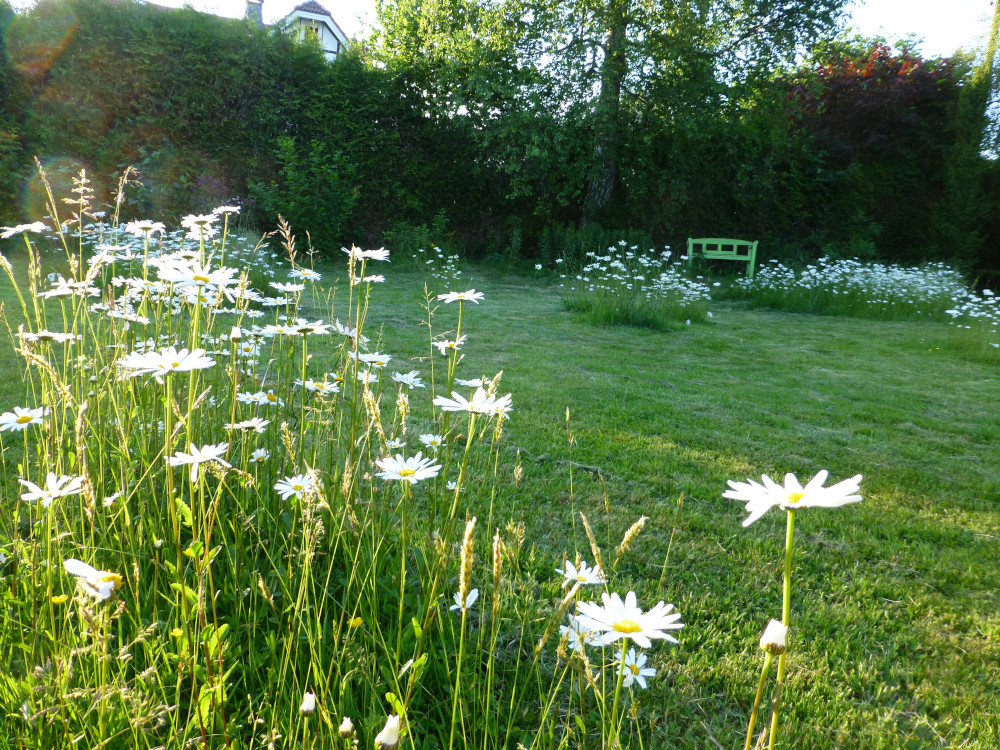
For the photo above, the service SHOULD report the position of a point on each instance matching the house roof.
(311, 6)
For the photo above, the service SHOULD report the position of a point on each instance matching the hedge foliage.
(851, 155)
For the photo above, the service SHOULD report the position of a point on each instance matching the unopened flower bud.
(346, 728)
(773, 640)
(308, 706)
(388, 738)
(236, 334)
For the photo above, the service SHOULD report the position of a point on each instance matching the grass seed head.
(468, 556)
(598, 558)
(629, 537)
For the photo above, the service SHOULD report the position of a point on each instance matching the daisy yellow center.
(407, 472)
(627, 626)
(794, 497)
(24, 419)
(581, 577)
(175, 364)
(110, 577)
(634, 668)
(297, 487)
(271, 397)
(202, 279)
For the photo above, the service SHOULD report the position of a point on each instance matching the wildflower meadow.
(258, 495)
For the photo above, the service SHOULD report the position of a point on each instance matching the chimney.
(255, 12)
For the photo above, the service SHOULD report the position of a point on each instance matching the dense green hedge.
(210, 109)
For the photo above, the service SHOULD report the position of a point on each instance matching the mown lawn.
(896, 615)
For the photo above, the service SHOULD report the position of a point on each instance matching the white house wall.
(331, 38)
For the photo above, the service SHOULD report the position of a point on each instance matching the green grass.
(895, 605)
(896, 616)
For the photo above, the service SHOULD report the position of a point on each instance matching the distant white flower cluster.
(442, 267)
(934, 291)
(651, 275)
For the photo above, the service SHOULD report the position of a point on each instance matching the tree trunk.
(607, 121)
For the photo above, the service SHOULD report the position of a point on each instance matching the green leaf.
(186, 516)
(192, 596)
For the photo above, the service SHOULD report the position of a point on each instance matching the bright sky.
(945, 25)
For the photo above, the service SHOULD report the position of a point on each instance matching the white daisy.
(55, 487)
(467, 604)
(432, 441)
(37, 227)
(46, 335)
(164, 362)
(634, 668)
(287, 288)
(319, 386)
(192, 274)
(446, 346)
(470, 296)
(411, 379)
(199, 456)
(256, 425)
(318, 328)
(578, 636)
(198, 222)
(479, 404)
(583, 574)
(617, 619)
(759, 498)
(100, 584)
(412, 469)
(378, 254)
(295, 486)
(20, 418)
(375, 359)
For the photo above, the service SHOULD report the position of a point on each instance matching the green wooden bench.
(715, 248)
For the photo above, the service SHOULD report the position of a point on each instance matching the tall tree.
(601, 61)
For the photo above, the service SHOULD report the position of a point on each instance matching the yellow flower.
(176, 632)
(60, 599)
(355, 622)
